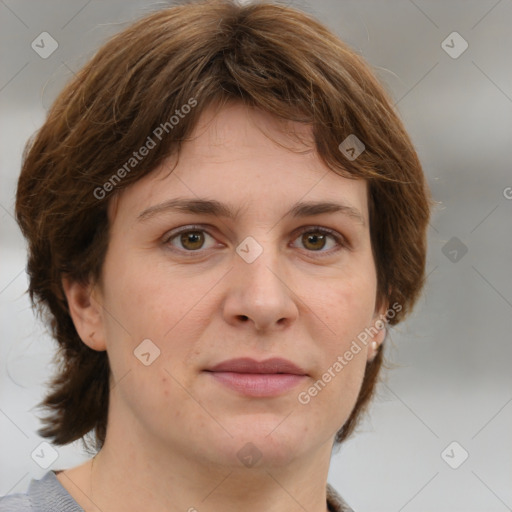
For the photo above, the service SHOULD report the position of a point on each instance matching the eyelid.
(340, 240)
(184, 229)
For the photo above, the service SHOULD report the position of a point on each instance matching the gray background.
(450, 377)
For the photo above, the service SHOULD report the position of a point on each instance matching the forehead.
(236, 126)
(246, 158)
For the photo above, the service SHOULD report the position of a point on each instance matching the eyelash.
(339, 239)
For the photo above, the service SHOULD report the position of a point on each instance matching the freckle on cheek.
(164, 386)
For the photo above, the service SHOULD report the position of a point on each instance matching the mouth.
(272, 377)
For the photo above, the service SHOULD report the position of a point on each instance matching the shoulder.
(15, 503)
(44, 495)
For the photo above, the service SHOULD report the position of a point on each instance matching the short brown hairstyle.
(266, 55)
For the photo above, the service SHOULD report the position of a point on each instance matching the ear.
(86, 312)
(378, 331)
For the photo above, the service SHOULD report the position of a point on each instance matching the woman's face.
(273, 279)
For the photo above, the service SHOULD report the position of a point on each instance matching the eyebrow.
(215, 208)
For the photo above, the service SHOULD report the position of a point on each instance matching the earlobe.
(86, 313)
(379, 334)
(376, 344)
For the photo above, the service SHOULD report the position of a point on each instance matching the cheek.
(347, 308)
(145, 300)
(153, 304)
(144, 390)
(329, 400)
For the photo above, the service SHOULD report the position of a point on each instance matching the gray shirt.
(45, 495)
(48, 495)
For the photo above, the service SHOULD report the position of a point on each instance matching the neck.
(130, 476)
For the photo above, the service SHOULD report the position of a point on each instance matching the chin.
(268, 442)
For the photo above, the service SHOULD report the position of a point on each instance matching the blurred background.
(438, 436)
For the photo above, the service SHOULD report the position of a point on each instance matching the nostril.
(244, 318)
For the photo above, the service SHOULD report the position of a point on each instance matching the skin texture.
(174, 432)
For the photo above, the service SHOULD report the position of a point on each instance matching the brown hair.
(269, 56)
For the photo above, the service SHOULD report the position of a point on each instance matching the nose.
(260, 294)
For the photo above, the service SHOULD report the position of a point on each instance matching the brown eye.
(313, 240)
(192, 240)
(320, 240)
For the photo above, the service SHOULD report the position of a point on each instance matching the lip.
(248, 365)
(249, 377)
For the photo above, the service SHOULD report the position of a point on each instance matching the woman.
(224, 214)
